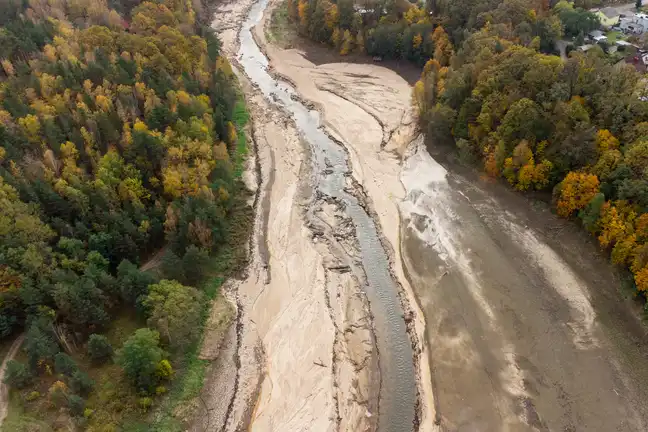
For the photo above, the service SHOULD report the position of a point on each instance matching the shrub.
(63, 364)
(164, 370)
(17, 375)
(76, 405)
(32, 396)
(145, 403)
(99, 348)
(58, 394)
(160, 390)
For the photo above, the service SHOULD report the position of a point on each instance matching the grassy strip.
(190, 379)
(240, 120)
(280, 32)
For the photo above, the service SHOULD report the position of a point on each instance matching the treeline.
(401, 30)
(117, 136)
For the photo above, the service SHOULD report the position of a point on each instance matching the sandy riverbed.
(367, 108)
(303, 350)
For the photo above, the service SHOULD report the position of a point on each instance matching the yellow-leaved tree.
(575, 191)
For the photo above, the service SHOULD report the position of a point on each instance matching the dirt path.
(4, 389)
(155, 260)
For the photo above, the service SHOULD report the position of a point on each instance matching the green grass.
(18, 420)
(240, 120)
(614, 36)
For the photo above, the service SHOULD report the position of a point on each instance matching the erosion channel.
(330, 179)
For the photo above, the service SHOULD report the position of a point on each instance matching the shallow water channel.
(398, 383)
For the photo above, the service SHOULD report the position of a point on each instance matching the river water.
(330, 167)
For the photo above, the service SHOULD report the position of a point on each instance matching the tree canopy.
(117, 136)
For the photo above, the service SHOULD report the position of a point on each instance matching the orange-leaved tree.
(575, 191)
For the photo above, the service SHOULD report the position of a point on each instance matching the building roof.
(610, 12)
(595, 34)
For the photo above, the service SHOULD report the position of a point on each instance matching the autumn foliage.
(575, 192)
(118, 134)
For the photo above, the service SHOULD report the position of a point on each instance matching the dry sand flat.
(367, 109)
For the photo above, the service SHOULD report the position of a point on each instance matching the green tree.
(195, 264)
(99, 348)
(132, 281)
(175, 311)
(63, 364)
(81, 383)
(17, 375)
(139, 358)
(40, 344)
(77, 405)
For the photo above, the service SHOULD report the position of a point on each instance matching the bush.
(32, 396)
(81, 383)
(145, 403)
(58, 394)
(63, 364)
(76, 405)
(99, 348)
(17, 375)
(164, 370)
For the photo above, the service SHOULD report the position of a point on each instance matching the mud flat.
(525, 326)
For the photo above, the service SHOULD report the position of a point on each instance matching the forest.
(493, 87)
(120, 142)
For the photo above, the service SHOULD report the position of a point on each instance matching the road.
(4, 390)
(525, 325)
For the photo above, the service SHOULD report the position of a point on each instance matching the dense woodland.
(492, 86)
(118, 136)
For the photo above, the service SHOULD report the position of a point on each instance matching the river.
(330, 170)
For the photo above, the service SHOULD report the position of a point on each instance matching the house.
(597, 36)
(609, 16)
(585, 48)
(634, 24)
(629, 26)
